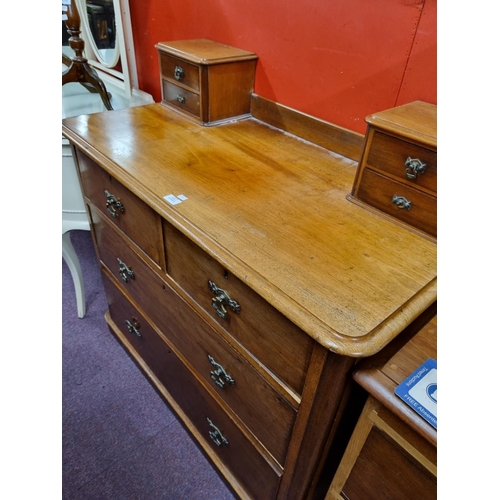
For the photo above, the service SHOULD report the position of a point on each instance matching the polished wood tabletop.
(272, 208)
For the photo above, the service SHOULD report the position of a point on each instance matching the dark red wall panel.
(338, 60)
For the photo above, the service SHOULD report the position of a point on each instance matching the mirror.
(100, 24)
(106, 30)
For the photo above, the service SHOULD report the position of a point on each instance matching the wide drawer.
(219, 432)
(390, 154)
(181, 98)
(392, 198)
(122, 208)
(260, 407)
(255, 324)
(181, 71)
(136, 329)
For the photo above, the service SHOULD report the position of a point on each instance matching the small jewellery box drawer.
(405, 203)
(178, 70)
(409, 162)
(181, 98)
(216, 428)
(261, 408)
(122, 208)
(247, 317)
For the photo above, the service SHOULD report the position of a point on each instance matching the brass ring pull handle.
(401, 202)
(180, 98)
(133, 327)
(216, 435)
(219, 375)
(125, 271)
(178, 73)
(113, 206)
(222, 300)
(414, 168)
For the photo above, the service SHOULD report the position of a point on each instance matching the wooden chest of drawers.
(397, 174)
(208, 81)
(247, 299)
(392, 452)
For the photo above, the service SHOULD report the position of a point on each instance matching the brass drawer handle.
(178, 73)
(133, 327)
(222, 300)
(414, 168)
(401, 202)
(180, 98)
(125, 271)
(219, 375)
(216, 435)
(113, 206)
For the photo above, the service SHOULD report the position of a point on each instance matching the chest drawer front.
(136, 329)
(181, 71)
(260, 407)
(122, 208)
(217, 429)
(390, 154)
(260, 328)
(181, 98)
(392, 198)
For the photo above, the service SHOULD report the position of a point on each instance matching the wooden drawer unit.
(263, 410)
(216, 429)
(392, 452)
(244, 307)
(122, 208)
(208, 81)
(397, 174)
(260, 328)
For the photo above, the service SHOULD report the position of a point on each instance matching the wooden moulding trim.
(327, 135)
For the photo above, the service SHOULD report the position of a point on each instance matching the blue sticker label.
(419, 391)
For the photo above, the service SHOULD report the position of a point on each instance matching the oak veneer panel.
(272, 209)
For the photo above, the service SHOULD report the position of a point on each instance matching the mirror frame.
(126, 78)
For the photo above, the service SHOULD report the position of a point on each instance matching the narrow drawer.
(181, 71)
(262, 330)
(380, 191)
(260, 407)
(390, 154)
(122, 208)
(228, 442)
(181, 98)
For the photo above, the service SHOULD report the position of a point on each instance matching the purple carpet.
(120, 440)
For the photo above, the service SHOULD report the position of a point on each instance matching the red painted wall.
(338, 60)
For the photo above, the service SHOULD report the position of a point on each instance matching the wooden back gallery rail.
(239, 276)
